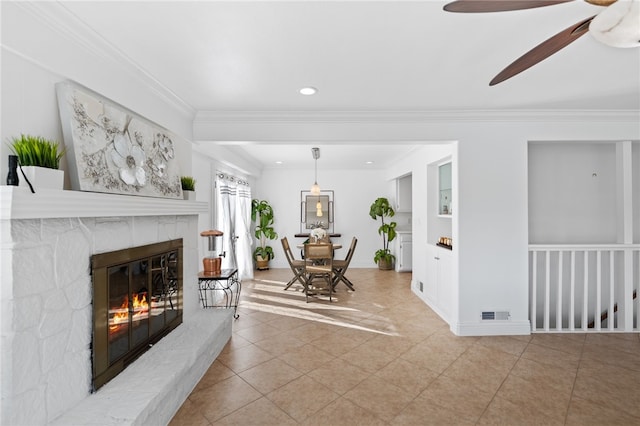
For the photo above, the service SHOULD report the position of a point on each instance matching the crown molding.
(62, 21)
(391, 117)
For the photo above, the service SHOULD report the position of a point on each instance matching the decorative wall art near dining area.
(316, 211)
(112, 149)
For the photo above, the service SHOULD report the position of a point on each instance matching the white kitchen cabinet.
(403, 194)
(439, 279)
(404, 251)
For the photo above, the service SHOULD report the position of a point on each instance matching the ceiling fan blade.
(543, 50)
(482, 6)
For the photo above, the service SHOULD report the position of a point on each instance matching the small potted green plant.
(262, 215)
(39, 160)
(381, 209)
(188, 187)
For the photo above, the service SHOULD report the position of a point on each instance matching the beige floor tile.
(288, 323)
(583, 412)
(216, 373)
(458, 396)
(557, 378)
(552, 357)
(537, 395)
(342, 412)
(610, 355)
(407, 376)
(311, 331)
(394, 345)
(189, 415)
(504, 412)
(258, 332)
(338, 375)
(622, 395)
(280, 344)
(246, 357)
(235, 342)
(485, 357)
(509, 344)
(560, 342)
(245, 321)
(223, 398)
(376, 356)
(306, 358)
(336, 344)
(259, 412)
(477, 374)
(270, 375)
(421, 413)
(425, 355)
(368, 358)
(379, 397)
(302, 397)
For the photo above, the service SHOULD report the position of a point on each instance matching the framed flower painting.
(112, 149)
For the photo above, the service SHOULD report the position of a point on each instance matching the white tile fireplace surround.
(47, 240)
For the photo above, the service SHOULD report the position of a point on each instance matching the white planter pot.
(189, 195)
(41, 177)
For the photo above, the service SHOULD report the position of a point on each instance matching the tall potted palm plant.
(262, 215)
(381, 209)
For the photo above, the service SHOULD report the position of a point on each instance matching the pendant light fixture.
(315, 188)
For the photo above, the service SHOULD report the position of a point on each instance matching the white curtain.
(233, 218)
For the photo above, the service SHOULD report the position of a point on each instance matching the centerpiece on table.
(318, 234)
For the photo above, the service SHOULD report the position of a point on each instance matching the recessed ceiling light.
(368, 162)
(308, 91)
(278, 162)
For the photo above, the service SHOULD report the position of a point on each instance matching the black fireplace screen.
(137, 299)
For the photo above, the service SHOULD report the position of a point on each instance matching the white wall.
(572, 193)
(34, 61)
(354, 191)
(635, 158)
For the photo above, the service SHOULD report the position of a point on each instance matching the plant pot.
(262, 263)
(41, 177)
(385, 264)
(189, 195)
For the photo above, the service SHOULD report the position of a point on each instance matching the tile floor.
(380, 356)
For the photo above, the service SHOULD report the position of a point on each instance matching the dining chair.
(341, 266)
(297, 266)
(318, 268)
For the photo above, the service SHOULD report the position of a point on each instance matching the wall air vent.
(495, 315)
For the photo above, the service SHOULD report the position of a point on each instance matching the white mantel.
(20, 203)
(46, 242)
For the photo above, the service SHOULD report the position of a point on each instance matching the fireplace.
(137, 299)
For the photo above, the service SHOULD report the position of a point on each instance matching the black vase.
(12, 176)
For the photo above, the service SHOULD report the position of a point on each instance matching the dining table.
(335, 246)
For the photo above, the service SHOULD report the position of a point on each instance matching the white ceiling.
(377, 56)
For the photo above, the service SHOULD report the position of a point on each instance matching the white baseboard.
(492, 328)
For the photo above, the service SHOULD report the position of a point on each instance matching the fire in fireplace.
(137, 299)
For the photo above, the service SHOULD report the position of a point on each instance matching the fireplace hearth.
(137, 300)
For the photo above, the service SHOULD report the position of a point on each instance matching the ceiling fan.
(618, 25)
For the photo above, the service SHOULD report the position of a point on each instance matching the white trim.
(542, 116)
(494, 328)
(20, 203)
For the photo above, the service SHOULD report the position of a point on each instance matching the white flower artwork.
(111, 149)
